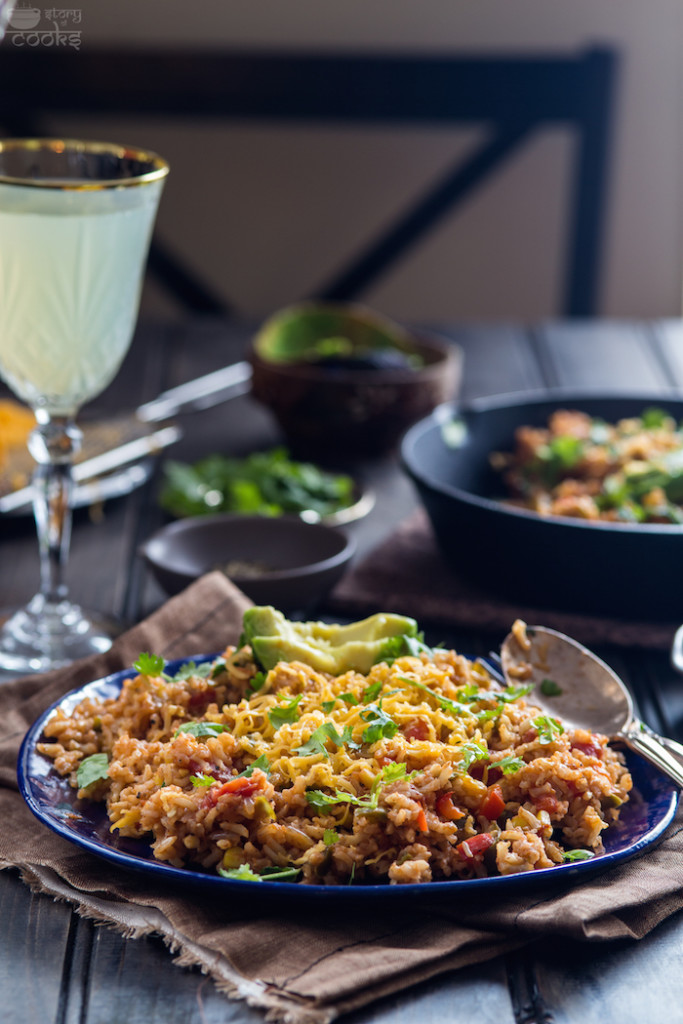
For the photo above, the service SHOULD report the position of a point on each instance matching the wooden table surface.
(57, 967)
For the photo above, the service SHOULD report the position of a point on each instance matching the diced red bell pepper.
(546, 802)
(493, 804)
(242, 785)
(447, 810)
(416, 729)
(471, 848)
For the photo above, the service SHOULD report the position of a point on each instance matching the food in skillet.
(340, 755)
(585, 468)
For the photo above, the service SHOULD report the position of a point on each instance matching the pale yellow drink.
(70, 276)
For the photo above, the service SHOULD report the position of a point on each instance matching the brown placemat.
(407, 574)
(302, 963)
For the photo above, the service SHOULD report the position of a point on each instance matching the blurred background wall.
(265, 212)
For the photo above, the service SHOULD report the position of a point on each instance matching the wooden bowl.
(325, 413)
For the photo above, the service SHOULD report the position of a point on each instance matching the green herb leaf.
(549, 688)
(572, 855)
(454, 707)
(260, 762)
(286, 713)
(189, 669)
(548, 728)
(316, 743)
(92, 769)
(327, 705)
(275, 874)
(380, 725)
(512, 693)
(509, 764)
(256, 682)
(472, 752)
(371, 692)
(149, 664)
(330, 836)
(201, 729)
(241, 874)
(202, 780)
(653, 418)
(218, 668)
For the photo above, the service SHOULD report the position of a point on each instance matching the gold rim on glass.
(157, 167)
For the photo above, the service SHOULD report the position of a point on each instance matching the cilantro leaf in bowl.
(264, 483)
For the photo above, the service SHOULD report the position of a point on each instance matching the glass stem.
(53, 444)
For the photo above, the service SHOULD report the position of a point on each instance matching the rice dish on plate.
(423, 768)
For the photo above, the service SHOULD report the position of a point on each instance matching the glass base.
(46, 635)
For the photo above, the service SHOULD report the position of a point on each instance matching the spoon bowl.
(572, 683)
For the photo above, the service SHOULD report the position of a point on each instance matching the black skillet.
(628, 570)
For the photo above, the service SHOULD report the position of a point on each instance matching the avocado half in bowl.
(344, 378)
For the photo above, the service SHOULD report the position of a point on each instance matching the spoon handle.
(650, 746)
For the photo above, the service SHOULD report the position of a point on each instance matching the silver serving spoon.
(591, 695)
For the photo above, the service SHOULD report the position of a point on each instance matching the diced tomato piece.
(446, 809)
(493, 804)
(202, 697)
(546, 802)
(476, 770)
(242, 785)
(471, 848)
(592, 749)
(422, 821)
(417, 729)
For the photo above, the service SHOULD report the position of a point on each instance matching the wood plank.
(155, 991)
(605, 356)
(498, 359)
(669, 337)
(623, 982)
(35, 939)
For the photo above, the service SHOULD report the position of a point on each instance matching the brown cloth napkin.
(407, 574)
(303, 963)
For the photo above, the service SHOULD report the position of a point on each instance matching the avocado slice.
(325, 647)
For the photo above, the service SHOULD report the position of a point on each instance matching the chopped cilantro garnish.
(201, 729)
(380, 725)
(273, 874)
(548, 728)
(472, 752)
(202, 780)
(390, 773)
(260, 762)
(241, 874)
(318, 738)
(190, 669)
(286, 713)
(508, 764)
(256, 682)
(549, 688)
(512, 693)
(92, 769)
(572, 855)
(330, 836)
(327, 705)
(454, 707)
(149, 664)
(218, 668)
(371, 691)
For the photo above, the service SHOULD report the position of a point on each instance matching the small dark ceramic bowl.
(274, 560)
(631, 570)
(324, 412)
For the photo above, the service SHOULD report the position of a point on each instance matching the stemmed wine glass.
(75, 224)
